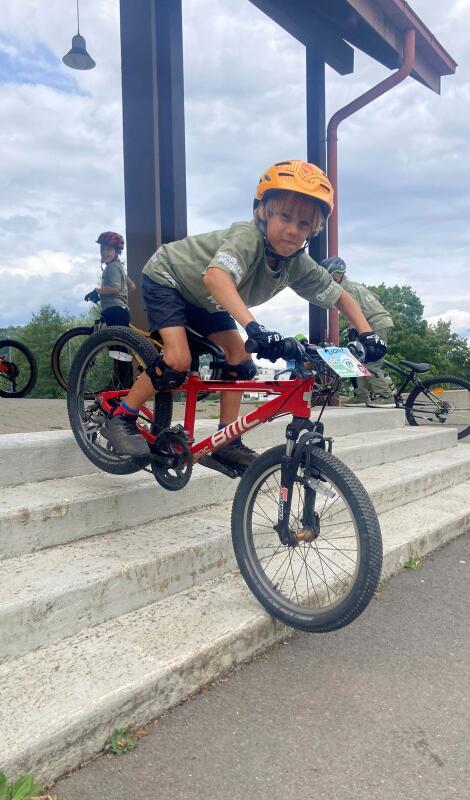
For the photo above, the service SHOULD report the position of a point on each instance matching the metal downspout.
(332, 153)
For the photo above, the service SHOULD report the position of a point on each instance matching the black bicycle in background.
(18, 369)
(436, 400)
(433, 401)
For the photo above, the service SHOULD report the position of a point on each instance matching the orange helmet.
(297, 176)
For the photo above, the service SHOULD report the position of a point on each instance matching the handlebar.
(301, 351)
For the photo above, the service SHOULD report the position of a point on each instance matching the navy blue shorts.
(116, 315)
(167, 308)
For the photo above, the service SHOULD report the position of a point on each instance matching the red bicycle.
(305, 533)
(18, 369)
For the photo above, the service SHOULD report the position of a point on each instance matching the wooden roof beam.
(318, 33)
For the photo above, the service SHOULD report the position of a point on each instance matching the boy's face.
(286, 229)
(337, 276)
(107, 253)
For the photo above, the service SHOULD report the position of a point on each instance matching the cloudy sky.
(404, 160)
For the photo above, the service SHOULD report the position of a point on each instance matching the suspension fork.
(295, 449)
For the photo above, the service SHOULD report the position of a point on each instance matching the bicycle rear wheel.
(327, 579)
(441, 400)
(64, 351)
(107, 361)
(18, 369)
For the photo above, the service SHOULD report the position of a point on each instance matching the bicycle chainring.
(171, 459)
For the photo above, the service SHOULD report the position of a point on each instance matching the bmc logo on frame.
(233, 429)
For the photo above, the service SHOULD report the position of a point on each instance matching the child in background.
(374, 391)
(113, 292)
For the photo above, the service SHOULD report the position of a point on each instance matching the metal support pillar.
(153, 132)
(316, 154)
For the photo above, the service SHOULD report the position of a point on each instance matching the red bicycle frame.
(293, 397)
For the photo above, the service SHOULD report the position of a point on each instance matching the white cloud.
(460, 320)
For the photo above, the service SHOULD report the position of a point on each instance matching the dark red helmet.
(112, 240)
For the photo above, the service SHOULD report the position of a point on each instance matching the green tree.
(39, 335)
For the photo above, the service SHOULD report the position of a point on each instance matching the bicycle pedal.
(212, 463)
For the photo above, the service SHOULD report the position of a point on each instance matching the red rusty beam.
(332, 152)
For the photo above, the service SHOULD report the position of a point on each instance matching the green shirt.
(376, 315)
(114, 275)
(238, 251)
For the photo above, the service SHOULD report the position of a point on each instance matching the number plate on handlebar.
(341, 361)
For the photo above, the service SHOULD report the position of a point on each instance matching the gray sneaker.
(235, 454)
(355, 402)
(124, 436)
(381, 402)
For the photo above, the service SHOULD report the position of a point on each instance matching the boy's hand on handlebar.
(374, 346)
(268, 344)
(93, 296)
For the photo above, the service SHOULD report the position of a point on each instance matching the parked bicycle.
(305, 533)
(435, 400)
(18, 369)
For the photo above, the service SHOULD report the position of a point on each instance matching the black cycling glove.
(93, 296)
(268, 344)
(374, 346)
(352, 334)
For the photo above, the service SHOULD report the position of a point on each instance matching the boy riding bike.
(374, 391)
(208, 282)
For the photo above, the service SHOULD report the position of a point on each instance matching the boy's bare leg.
(235, 454)
(121, 429)
(177, 356)
(234, 348)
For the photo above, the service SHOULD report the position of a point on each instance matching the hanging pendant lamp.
(78, 57)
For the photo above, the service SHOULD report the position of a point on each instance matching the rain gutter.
(332, 153)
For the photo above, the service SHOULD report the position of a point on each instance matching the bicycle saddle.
(415, 367)
(199, 345)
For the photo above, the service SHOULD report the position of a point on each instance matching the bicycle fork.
(299, 450)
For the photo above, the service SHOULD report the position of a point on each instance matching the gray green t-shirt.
(115, 276)
(376, 315)
(238, 251)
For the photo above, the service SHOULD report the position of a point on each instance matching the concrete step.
(48, 513)
(60, 703)
(30, 457)
(99, 578)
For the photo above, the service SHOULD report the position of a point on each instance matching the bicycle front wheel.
(64, 352)
(18, 369)
(107, 361)
(329, 576)
(441, 400)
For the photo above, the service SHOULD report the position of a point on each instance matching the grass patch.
(413, 563)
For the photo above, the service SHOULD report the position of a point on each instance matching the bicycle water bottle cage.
(168, 379)
(245, 371)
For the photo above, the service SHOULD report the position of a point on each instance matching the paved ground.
(377, 711)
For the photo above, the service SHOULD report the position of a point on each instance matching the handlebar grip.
(289, 348)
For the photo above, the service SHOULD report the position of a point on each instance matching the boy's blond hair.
(301, 206)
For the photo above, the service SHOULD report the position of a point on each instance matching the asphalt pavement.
(377, 711)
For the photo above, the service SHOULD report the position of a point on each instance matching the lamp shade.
(77, 57)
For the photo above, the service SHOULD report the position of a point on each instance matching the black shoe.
(122, 432)
(235, 455)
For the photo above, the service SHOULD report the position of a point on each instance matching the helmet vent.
(282, 164)
(286, 174)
